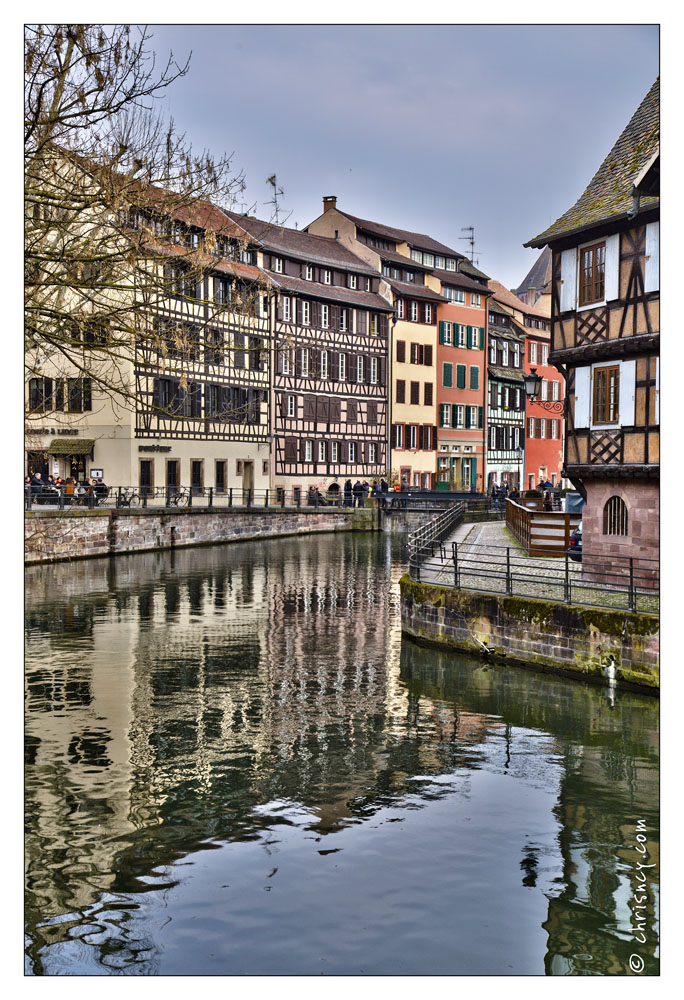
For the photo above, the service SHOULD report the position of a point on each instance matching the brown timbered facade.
(329, 371)
(605, 339)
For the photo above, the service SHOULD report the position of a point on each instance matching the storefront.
(69, 459)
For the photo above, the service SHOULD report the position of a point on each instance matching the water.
(234, 765)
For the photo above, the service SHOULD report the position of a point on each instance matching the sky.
(427, 128)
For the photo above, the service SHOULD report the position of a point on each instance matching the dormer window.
(440, 262)
(368, 284)
(414, 312)
(308, 272)
(450, 264)
(352, 281)
(429, 259)
(592, 275)
(417, 256)
(278, 265)
(327, 277)
(400, 308)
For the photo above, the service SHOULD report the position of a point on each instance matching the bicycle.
(179, 498)
(129, 498)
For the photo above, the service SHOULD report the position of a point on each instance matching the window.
(321, 451)
(352, 451)
(79, 399)
(343, 367)
(592, 274)
(305, 361)
(343, 320)
(285, 362)
(219, 477)
(492, 351)
(417, 256)
(440, 262)
(447, 374)
(615, 517)
(40, 395)
(474, 377)
(475, 299)
(308, 451)
(368, 284)
(399, 435)
(278, 265)
(306, 313)
(400, 308)
(400, 392)
(555, 389)
(544, 389)
(456, 295)
(410, 276)
(415, 393)
(447, 335)
(427, 394)
(373, 324)
(460, 376)
(287, 308)
(222, 290)
(545, 354)
(428, 313)
(460, 416)
(352, 281)
(325, 316)
(324, 364)
(533, 352)
(429, 259)
(472, 416)
(542, 427)
(450, 264)
(516, 355)
(360, 366)
(371, 453)
(334, 451)
(414, 312)
(386, 270)
(327, 277)
(308, 272)
(246, 256)
(504, 353)
(462, 335)
(374, 371)
(606, 395)
(530, 427)
(554, 428)
(413, 437)
(492, 438)
(292, 406)
(427, 437)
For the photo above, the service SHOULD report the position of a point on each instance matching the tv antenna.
(470, 239)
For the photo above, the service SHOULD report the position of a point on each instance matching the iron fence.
(432, 533)
(622, 583)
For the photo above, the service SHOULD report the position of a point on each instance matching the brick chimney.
(329, 201)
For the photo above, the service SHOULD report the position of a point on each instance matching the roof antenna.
(471, 240)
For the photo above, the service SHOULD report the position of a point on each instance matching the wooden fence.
(541, 533)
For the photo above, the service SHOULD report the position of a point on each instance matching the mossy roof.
(609, 193)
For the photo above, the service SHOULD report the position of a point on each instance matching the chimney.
(329, 201)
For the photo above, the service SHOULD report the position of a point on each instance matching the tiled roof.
(399, 258)
(511, 300)
(409, 291)
(418, 240)
(512, 374)
(223, 264)
(335, 293)
(303, 246)
(609, 193)
(458, 280)
(539, 275)
(467, 268)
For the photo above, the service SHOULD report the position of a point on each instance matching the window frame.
(591, 291)
(601, 408)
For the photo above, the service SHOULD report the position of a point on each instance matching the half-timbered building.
(605, 339)
(505, 398)
(330, 345)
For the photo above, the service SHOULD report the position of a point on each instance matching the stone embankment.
(52, 536)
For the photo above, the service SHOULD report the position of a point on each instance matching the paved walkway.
(485, 548)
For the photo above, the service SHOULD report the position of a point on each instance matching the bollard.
(249, 497)
(91, 499)
(144, 499)
(168, 496)
(61, 498)
(266, 499)
(282, 498)
(118, 498)
(190, 497)
(230, 497)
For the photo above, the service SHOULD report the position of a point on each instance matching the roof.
(418, 240)
(72, 446)
(400, 258)
(411, 291)
(297, 243)
(469, 268)
(223, 264)
(539, 275)
(608, 195)
(459, 280)
(512, 374)
(335, 293)
(511, 300)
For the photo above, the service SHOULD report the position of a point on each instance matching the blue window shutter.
(479, 416)
(470, 336)
(441, 331)
(473, 473)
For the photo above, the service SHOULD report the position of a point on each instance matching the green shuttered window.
(474, 377)
(460, 376)
(448, 374)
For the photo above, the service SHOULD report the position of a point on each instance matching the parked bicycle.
(129, 498)
(179, 498)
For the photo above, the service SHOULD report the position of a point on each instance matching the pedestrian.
(383, 486)
(366, 489)
(348, 500)
(358, 494)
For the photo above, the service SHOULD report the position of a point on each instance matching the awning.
(74, 446)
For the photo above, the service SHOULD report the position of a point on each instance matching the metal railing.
(432, 533)
(621, 583)
(170, 497)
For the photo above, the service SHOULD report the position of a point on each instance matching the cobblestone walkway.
(484, 549)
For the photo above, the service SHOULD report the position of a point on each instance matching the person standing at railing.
(358, 494)
(348, 499)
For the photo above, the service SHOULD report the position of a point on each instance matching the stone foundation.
(642, 498)
(577, 641)
(53, 536)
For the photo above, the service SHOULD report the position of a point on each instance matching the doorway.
(146, 476)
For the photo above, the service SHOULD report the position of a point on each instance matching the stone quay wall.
(52, 536)
(576, 641)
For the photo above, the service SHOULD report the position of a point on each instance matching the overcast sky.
(424, 128)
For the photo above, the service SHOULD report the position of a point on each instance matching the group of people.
(354, 494)
(501, 493)
(47, 489)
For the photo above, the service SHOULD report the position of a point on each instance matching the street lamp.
(533, 385)
(520, 452)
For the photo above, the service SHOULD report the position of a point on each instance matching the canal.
(235, 765)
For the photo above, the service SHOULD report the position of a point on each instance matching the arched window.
(615, 517)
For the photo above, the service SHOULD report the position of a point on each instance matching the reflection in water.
(234, 765)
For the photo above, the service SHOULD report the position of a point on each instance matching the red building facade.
(544, 425)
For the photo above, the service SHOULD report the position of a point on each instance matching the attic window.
(592, 274)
